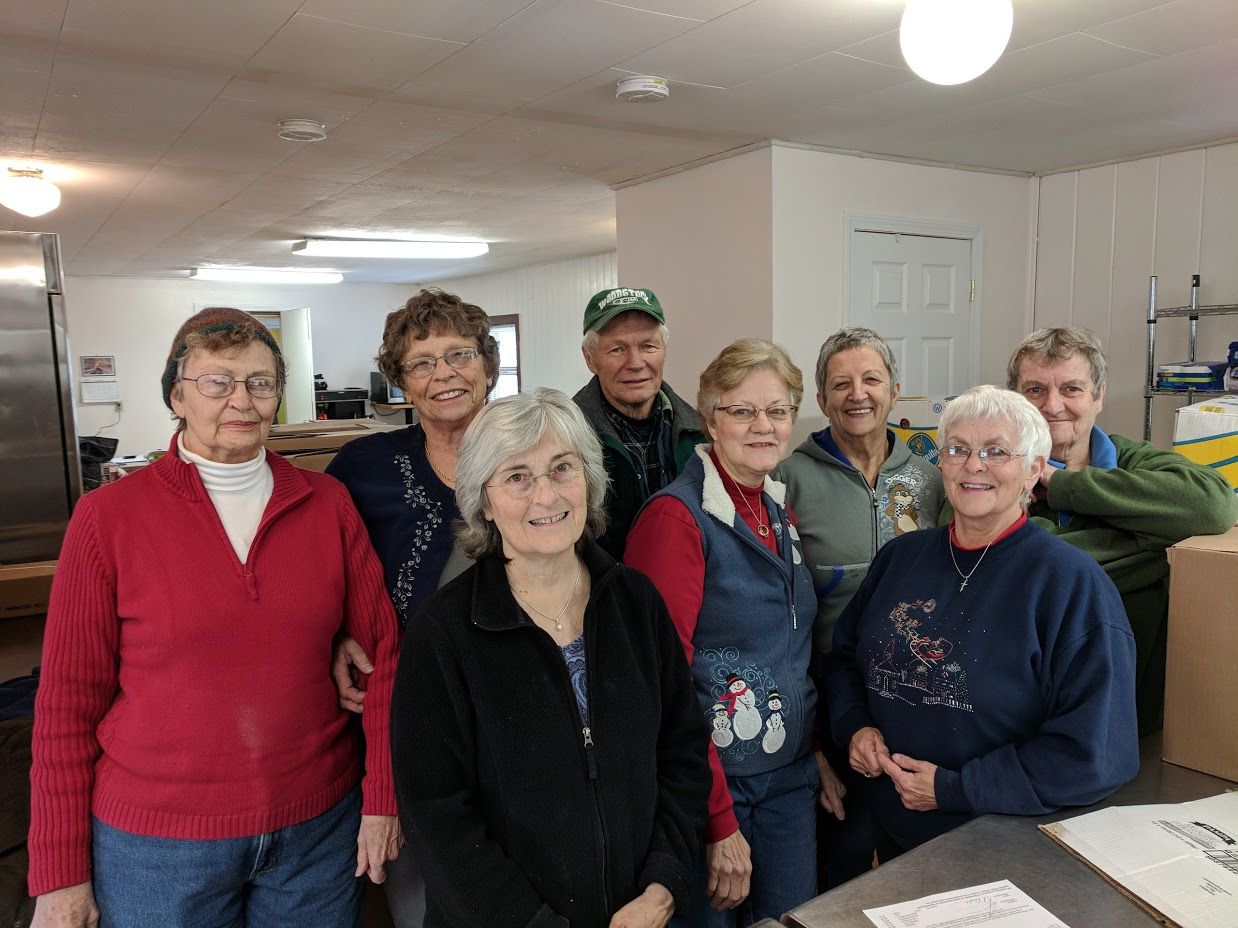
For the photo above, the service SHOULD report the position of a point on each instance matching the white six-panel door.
(916, 291)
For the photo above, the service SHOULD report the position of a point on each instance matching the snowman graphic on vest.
(745, 719)
(722, 735)
(775, 730)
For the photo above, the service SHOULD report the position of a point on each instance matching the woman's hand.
(914, 780)
(729, 863)
(70, 907)
(868, 749)
(349, 654)
(378, 841)
(832, 789)
(651, 909)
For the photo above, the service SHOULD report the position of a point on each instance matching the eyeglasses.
(741, 412)
(993, 455)
(221, 385)
(520, 483)
(424, 367)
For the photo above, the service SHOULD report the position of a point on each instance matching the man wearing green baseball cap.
(647, 431)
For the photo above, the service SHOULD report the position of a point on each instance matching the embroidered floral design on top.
(427, 526)
(914, 666)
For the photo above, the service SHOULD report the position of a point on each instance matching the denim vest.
(753, 638)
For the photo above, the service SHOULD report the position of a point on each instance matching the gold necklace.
(557, 619)
(762, 528)
(442, 474)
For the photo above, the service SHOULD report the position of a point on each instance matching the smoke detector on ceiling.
(642, 88)
(302, 130)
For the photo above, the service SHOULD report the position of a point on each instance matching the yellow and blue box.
(914, 419)
(1207, 433)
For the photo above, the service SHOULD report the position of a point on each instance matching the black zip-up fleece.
(519, 815)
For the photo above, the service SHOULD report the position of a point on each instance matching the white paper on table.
(1181, 860)
(1001, 903)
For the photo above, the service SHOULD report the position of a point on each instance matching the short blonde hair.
(733, 365)
(1056, 346)
(511, 426)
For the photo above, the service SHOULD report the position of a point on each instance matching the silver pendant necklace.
(556, 619)
(967, 576)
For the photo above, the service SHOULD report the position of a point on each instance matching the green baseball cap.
(607, 304)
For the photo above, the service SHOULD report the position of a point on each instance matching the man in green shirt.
(1122, 501)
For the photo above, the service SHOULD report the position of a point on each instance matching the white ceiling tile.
(545, 47)
(766, 36)
(1040, 20)
(1174, 27)
(222, 32)
(21, 102)
(458, 21)
(354, 60)
(689, 9)
(28, 33)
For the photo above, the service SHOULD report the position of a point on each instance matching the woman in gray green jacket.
(853, 486)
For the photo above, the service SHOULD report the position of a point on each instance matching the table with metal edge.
(1010, 847)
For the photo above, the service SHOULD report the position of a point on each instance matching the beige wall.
(550, 300)
(1104, 231)
(813, 193)
(702, 240)
(753, 245)
(135, 319)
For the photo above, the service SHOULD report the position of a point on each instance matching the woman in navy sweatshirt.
(984, 666)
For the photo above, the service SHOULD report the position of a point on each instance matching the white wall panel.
(1093, 249)
(550, 300)
(1172, 216)
(1055, 250)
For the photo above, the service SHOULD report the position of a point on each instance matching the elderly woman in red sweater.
(191, 763)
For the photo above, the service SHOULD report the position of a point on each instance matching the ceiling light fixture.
(358, 248)
(642, 88)
(954, 41)
(26, 191)
(302, 130)
(263, 275)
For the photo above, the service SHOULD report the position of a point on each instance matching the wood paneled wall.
(1103, 231)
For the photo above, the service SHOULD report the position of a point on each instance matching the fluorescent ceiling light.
(954, 41)
(260, 275)
(26, 191)
(357, 248)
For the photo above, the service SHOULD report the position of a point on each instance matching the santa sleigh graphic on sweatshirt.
(916, 666)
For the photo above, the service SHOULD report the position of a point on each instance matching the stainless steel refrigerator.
(40, 471)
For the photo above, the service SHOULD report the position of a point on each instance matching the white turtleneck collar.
(240, 493)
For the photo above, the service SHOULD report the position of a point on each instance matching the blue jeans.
(296, 877)
(776, 813)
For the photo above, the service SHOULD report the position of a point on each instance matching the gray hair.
(590, 342)
(854, 337)
(511, 426)
(1058, 345)
(986, 402)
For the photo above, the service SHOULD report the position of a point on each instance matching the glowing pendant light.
(26, 191)
(954, 41)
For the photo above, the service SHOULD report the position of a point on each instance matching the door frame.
(933, 228)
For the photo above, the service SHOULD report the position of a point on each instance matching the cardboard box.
(1207, 433)
(25, 588)
(914, 419)
(330, 435)
(310, 460)
(1201, 673)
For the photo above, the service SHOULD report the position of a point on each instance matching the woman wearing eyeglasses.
(984, 666)
(439, 351)
(191, 763)
(721, 546)
(549, 756)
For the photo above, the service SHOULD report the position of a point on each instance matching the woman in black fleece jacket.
(549, 753)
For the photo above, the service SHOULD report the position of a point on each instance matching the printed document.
(1002, 904)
